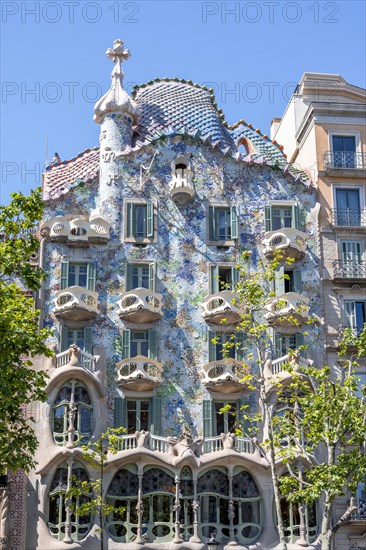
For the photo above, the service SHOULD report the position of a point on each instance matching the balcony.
(220, 306)
(348, 217)
(168, 445)
(139, 373)
(181, 188)
(77, 231)
(76, 357)
(335, 161)
(225, 376)
(140, 306)
(284, 364)
(76, 305)
(359, 514)
(288, 311)
(291, 242)
(350, 270)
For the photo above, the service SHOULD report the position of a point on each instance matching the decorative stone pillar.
(177, 538)
(71, 417)
(4, 517)
(231, 514)
(195, 507)
(67, 537)
(139, 509)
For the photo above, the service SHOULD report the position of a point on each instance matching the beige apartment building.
(323, 131)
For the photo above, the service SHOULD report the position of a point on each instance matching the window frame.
(137, 410)
(140, 264)
(151, 234)
(210, 226)
(354, 300)
(214, 282)
(344, 186)
(347, 133)
(296, 221)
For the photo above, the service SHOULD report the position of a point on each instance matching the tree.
(319, 412)
(324, 411)
(95, 453)
(20, 336)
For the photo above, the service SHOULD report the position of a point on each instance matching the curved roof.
(176, 106)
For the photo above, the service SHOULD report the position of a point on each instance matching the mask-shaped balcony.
(288, 310)
(77, 231)
(139, 373)
(76, 304)
(140, 306)
(220, 306)
(289, 241)
(225, 376)
(181, 188)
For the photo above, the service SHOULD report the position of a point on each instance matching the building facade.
(141, 239)
(324, 130)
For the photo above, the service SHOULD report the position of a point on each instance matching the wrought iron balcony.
(77, 230)
(288, 310)
(349, 269)
(360, 513)
(139, 373)
(348, 217)
(76, 357)
(181, 188)
(289, 241)
(225, 376)
(140, 305)
(76, 304)
(281, 365)
(344, 160)
(220, 306)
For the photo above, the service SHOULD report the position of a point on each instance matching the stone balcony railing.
(76, 357)
(140, 306)
(288, 310)
(77, 230)
(349, 270)
(289, 241)
(181, 188)
(225, 376)
(185, 445)
(292, 361)
(76, 304)
(220, 306)
(139, 373)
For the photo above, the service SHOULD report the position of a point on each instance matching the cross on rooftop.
(117, 52)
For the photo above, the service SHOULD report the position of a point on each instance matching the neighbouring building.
(323, 130)
(141, 239)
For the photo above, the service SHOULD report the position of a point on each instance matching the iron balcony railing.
(348, 217)
(343, 160)
(349, 269)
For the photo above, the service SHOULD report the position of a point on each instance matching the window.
(158, 487)
(280, 217)
(138, 414)
(288, 280)
(78, 274)
(223, 278)
(217, 350)
(283, 344)
(355, 313)
(81, 337)
(344, 151)
(291, 520)
(223, 223)
(216, 422)
(348, 209)
(351, 259)
(139, 342)
(57, 518)
(122, 496)
(225, 421)
(78, 420)
(140, 276)
(140, 221)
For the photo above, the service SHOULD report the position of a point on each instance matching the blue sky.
(54, 67)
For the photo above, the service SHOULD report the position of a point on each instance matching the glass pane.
(140, 277)
(85, 418)
(72, 274)
(140, 221)
(82, 280)
(223, 224)
(58, 419)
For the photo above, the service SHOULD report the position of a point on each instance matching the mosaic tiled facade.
(136, 238)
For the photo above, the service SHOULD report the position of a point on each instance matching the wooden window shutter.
(64, 275)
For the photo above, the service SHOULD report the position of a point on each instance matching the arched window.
(213, 493)
(73, 408)
(247, 507)
(79, 526)
(122, 495)
(158, 487)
